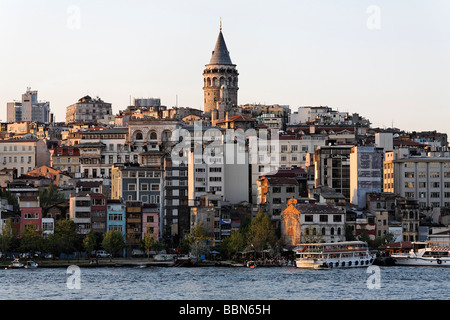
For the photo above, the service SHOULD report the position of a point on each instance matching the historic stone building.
(220, 82)
(291, 224)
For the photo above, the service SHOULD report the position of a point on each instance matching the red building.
(31, 215)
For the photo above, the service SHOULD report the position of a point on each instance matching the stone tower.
(220, 75)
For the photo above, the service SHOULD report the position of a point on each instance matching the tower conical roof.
(220, 55)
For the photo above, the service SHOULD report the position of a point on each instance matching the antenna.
(220, 23)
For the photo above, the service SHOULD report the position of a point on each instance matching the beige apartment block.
(23, 154)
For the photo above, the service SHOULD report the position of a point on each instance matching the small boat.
(31, 265)
(251, 264)
(425, 254)
(353, 254)
(16, 264)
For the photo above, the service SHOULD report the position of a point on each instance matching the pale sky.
(388, 60)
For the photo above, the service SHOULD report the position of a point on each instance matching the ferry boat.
(429, 253)
(346, 254)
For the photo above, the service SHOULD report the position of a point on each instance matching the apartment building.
(23, 154)
(29, 109)
(115, 212)
(424, 178)
(332, 168)
(366, 170)
(100, 149)
(88, 110)
(66, 159)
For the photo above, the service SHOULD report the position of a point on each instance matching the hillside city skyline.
(365, 58)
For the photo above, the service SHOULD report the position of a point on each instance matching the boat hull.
(330, 264)
(421, 262)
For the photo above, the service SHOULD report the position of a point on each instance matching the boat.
(31, 265)
(428, 253)
(251, 264)
(16, 264)
(345, 254)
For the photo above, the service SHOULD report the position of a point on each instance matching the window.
(132, 187)
(155, 187)
(409, 174)
(337, 218)
(434, 174)
(309, 218)
(323, 218)
(144, 186)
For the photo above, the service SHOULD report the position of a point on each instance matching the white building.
(423, 178)
(365, 173)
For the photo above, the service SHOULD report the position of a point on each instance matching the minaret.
(220, 71)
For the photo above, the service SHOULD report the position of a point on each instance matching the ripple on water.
(226, 283)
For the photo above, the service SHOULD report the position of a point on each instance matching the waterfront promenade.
(122, 262)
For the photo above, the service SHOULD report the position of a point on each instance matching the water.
(221, 283)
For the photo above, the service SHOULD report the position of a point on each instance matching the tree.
(261, 233)
(64, 239)
(363, 235)
(50, 196)
(8, 237)
(113, 242)
(233, 244)
(197, 240)
(349, 236)
(31, 240)
(90, 242)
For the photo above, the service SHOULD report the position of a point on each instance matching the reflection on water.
(211, 283)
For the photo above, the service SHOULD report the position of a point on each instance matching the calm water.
(217, 283)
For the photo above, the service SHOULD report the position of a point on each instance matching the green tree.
(64, 239)
(50, 196)
(8, 237)
(113, 242)
(349, 236)
(90, 242)
(261, 233)
(233, 244)
(31, 240)
(197, 240)
(363, 235)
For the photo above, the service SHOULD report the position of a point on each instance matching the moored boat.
(31, 265)
(346, 254)
(429, 253)
(16, 264)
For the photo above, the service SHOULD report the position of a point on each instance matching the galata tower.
(220, 76)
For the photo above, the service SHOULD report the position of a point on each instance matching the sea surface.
(223, 283)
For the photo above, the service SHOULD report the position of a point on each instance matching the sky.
(387, 60)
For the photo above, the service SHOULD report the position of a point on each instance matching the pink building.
(150, 219)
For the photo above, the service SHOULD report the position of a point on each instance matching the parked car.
(137, 253)
(102, 254)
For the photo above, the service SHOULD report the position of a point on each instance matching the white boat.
(31, 265)
(430, 253)
(16, 264)
(346, 254)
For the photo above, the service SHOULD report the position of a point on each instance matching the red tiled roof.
(237, 119)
